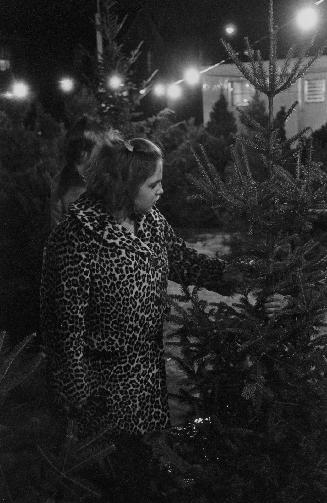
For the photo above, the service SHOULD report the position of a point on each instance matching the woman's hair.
(117, 169)
(80, 140)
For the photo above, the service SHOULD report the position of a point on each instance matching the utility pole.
(98, 28)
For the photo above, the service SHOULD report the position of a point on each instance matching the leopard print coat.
(102, 308)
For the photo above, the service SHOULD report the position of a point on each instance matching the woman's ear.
(84, 156)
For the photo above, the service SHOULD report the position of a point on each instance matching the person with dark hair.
(103, 293)
(70, 183)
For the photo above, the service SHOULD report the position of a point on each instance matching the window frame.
(314, 97)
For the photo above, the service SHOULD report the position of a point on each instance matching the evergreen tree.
(257, 385)
(176, 138)
(222, 121)
(319, 138)
(256, 110)
(79, 104)
(30, 154)
(116, 106)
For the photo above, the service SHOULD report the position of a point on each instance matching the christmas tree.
(109, 88)
(320, 144)
(222, 121)
(256, 109)
(257, 384)
(30, 154)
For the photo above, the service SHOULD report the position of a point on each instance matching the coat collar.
(92, 215)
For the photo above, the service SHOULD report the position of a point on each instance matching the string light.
(174, 91)
(66, 84)
(115, 82)
(159, 90)
(230, 30)
(192, 76)
(20, 90)
(307, 18)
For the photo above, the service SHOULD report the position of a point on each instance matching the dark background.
(44, 34)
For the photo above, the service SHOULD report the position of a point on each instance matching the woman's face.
(150, 191)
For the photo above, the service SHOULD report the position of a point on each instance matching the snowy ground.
(209, 244)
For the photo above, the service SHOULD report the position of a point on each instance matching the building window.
(314, 90)
(241, 93)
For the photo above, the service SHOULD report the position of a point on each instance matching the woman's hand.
(275, 304)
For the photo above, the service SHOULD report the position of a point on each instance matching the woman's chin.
(144, 211)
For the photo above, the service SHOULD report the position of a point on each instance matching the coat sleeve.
(64, 301)
(190, 267)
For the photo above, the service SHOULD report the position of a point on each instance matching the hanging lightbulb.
(159, 90)
(307, 18)
(174, 91)
(192, 76)
(20, 90)
(230, 29)
(66, 84)
(115, 82)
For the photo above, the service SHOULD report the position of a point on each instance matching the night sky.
(46, 33)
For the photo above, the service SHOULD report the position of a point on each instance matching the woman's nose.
(160, 190)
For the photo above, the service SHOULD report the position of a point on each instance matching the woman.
(106, 268)
(70, 183)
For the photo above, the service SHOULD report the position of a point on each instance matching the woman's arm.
(64, 302)
(190, 267)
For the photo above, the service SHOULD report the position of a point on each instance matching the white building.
(309, 91)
